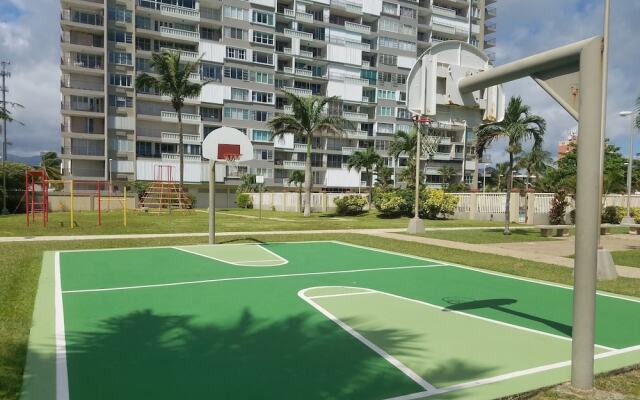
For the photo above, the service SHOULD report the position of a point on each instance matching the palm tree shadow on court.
(501, 305)
(147, 355)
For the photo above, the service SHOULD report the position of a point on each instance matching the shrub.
(635, 213)
(390, 204)
(439, 203)
(244, 200)
(558, 208)
(350, 204)
(613, 215)
(572, 216)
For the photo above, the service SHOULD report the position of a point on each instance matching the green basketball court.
(304, 320)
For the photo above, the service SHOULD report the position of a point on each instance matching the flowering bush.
(390, 204)
(439, 203)
(558, 208)
(350, 204)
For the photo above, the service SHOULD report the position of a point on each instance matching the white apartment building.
(359, 50)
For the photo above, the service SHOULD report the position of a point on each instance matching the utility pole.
(5, 74)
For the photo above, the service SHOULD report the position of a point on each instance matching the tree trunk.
(474, 180)
(507, 208)
(308, 180)
(370, 184)
(180, 148)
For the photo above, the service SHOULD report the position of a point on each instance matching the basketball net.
(232, 161)
(428, 144)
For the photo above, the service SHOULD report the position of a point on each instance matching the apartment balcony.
(442, 156)
(210, 14)
(445, 12)
(347, 5)
(489, 43)
(184, 55)
(83, 110)
(347, 151)
(359, 28)
(289, 12)
(490, 27)
(187, 100)
(300, 146)
(366, 64)
(450, 30)
(293, 164)
(287, 109)
(353, 134)
(71, 64)
(172, 137)
(298, 71)
(298, 91)
(83, 22)
(298, 34)
(176, 157)
(84, 44)
(172, 116)
(179, 34)
(355, 116)
(87, 4)
(180, 12)
(455, 3)
(490, 12)
(80, 87)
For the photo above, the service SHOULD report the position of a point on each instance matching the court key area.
(302, 320)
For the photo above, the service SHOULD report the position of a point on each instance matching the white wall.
(344, 54)
(373, 7)
(284, 142)
(212, 93)
(406, 62)
(212, 51)
(342, 178)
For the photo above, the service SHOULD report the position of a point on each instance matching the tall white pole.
(628, 219)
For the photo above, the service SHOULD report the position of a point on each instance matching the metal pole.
(630, 171)
(484, 177)
(464, 151)
(5, 74)
(603, 122)
(587, 216)
(417, 199)
(212, 201)
(260, 195)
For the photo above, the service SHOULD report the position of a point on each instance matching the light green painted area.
(246, 255)
(433, 341)
(40, 371)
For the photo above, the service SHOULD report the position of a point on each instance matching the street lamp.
(484, 176)
(628, 219)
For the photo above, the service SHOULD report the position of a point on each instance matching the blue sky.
(29, 38)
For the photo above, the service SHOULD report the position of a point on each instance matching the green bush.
(244, 200)
(572, 216)
(613, 215)
(350, 204)
(389, 204)
(635, 213)
(558, 208)
(439, 203)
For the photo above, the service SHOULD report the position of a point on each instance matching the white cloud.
(529, 27)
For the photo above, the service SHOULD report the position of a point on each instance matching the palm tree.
(405, 143)
(307, 121)
(297, 178)
(366, 160)
(448, 174)
(535, 162)
(173, 81)
(518, 126)
(383, 176)
(638, 113)
(50, 162)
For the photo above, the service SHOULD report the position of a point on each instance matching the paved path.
(541, 251)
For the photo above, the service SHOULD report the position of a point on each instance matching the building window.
(385, 111)
(235, 33)
(382, 145)
(120, 101)
(236, 113)
(263, 38)
(239, 94)
(260, 135)
(238, 54)
(119, 14)
(211, 72)
(120, 58)
(403, 113)
(386, 94)
(262, 77)
(262, 154)
(266, 172)
(262, 58)
(389, 8)
(408, 12)
(120, 80)
(388, 59)
(235, 13)
(236, 73)
(119, 36)
(263, 97)
(441, 85)
(385, 129)
(261, 116)
(261, 17)
(209, 34)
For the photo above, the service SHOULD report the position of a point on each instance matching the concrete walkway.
(549, 252)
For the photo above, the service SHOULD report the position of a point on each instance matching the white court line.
(62, 379)
(324, 296)
(237, 263)
(503, 275)
(522, 328)
(507, 376)
(392, 360)
(242, 278)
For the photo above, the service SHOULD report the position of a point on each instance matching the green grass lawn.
(227, 220)
(487, 236)
(20, 268)
(630, 258)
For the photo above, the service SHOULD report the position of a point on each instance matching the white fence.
(491, 203)
(290, 201)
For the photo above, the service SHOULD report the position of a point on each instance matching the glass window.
(239, 54)
(116, 57)
(385, 129)
(263, 38)
(211, 72)
(239, 94)
(120, 101)
(118, 36)
(263, 77)
(261, 17)
(385, 111)
(235, 33)
(119, 14)
(235, 13)
(262, 58)
(236, 73)
(120, 80)
(263, 154)
(236, 113)
(263, 97)
(260, 135)
(261, 116)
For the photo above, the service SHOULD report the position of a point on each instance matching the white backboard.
(229, 136)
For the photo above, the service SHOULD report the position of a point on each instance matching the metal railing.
(179, 33)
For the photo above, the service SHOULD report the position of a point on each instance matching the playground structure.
(164, 194)
(38, 190)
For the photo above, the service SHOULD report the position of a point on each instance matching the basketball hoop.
(232, 164)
